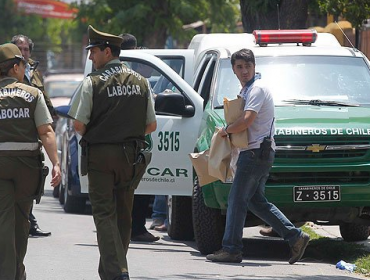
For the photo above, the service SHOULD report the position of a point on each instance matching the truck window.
(205, 83)
(339, 79)
(163, 83)
(200, 70)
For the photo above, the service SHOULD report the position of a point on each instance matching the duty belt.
(19, 146)
(20, 149)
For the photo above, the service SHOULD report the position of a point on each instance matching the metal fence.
(55, 57)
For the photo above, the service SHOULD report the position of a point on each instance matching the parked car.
(60, 85)
(67, 143)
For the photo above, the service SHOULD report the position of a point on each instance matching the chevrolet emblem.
(316, 148)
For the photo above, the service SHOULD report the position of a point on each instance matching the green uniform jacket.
(120, 100)
(17, 116)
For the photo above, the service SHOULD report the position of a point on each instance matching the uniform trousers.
(19, 179)
(110, 170)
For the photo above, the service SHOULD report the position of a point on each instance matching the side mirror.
(62, 111)
(171, 103)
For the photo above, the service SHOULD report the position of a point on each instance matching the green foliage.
(11, 22)
(152, 21)
(37, 28)
(262, 6)
(353, 11)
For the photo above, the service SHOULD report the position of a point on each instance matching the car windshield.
(304, 79)
(61, 88)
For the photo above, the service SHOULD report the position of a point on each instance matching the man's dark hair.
(114, 49)
(245, 54)
(129, 41)
(18, 37)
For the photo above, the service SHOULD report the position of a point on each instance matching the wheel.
(56, 191)
(180, 224)
(354, 232)
(61, 194)
(72, 204)
(64, 169)
(209, 223)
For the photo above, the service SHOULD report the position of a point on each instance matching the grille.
(304, 142)
(298, 178)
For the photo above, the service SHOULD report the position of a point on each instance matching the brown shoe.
(297, 250)
(156, 222)
(224, 256)
(145, 237)
(269, 232)
(161, 228)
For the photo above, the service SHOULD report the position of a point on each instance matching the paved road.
(71, 253)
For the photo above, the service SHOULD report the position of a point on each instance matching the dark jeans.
(248, 193)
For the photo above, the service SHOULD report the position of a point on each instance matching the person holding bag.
(253, 166)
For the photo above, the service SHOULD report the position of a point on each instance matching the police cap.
(9, 51)
(97, 38)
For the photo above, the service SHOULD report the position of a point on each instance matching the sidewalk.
(333, 232)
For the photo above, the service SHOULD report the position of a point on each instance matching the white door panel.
(170, 171)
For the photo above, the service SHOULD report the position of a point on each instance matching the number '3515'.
(169, 141)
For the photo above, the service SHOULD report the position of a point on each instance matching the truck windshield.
(330, 78)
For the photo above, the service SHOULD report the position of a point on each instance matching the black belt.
(20, 153)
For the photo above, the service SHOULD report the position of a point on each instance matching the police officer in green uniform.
(33, 78)
(113, 113)
(24, 119)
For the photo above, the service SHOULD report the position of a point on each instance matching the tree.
(45, 30)
(48, 34)
(13, 23)
(274, 14)
(353, 11)
(153, 21)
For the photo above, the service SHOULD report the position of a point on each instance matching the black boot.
(36, 231)
(124, 276)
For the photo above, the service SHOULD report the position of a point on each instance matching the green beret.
(97, 38)
(9, 51)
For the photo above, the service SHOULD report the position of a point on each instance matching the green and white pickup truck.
(322, 96)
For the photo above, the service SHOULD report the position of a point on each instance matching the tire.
(209, 223)
(72, 204)
(180, 223)
(56, 191)
(64, 171)
(61, 194)
(354, 232)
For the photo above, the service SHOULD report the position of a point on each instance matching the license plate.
(316, 193)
